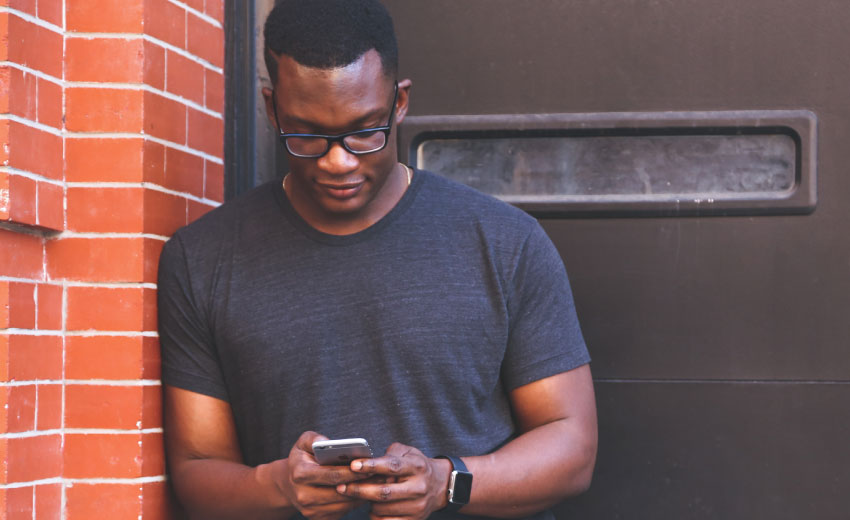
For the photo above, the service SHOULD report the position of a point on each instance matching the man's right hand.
(311, 488)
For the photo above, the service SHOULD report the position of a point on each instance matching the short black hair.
(327, 34)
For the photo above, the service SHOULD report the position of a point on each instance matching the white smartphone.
(340, 452)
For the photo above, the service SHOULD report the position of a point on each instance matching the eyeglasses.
(358, 142)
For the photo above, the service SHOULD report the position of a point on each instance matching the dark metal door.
(720, 339)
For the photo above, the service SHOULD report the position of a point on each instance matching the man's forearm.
(219, 489)
(536, 470)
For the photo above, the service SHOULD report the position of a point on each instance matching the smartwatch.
(460, 484)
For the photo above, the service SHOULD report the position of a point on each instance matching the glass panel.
(532, 169)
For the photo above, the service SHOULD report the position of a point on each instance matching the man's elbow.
(583, 475)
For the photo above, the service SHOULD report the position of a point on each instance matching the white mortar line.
(116, 333)
(29, 280)
(13, 485)
(145, 137)
(30, 434)
(110, 431)
(111, 285)
(145, 185)
(113, 382)
(74, 234)
(128, 481)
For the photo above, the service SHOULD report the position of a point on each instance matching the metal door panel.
(708, 450)
(721, 345)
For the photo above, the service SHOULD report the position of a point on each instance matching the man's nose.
(338, 160)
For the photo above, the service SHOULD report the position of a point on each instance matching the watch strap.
(458, 466)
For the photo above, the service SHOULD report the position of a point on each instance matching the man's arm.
(552, 459)
(212, 482)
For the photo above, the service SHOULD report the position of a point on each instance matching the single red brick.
(214, 90)
(111, 309)
(105, 210)
(166, 21)
(103, 109)
(206, 133)
(49, 413)
(21, 305)
(113, 501)
(23, 349)
(109, 407)
(152, 406)
(107, 16)
(154, 70)
(4, 376)
(49, 307)
(21, 93)
(152, 252)
(184, 172)
(151, 360)
(165, 118)
(117, 60)
(19, 503)
(5, 152)
(215, 8)
(205, 40)
(198, 210)
(22, 200)
(51, 206)
(49, 103)
(50, 11)
(4, 312)
(185, 78)
(34, 458)
(48, 498)
(164, 213)
(35, 46)
(105, 357)
(21, 412)
(153, 454)
(34, 150)
(96, 259)
(214, 181)
(5, 210)
(103, 455)
(154, 163)
(104, 160)
(21, 255)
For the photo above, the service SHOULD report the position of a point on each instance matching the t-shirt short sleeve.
(189, 359)
(545, 337)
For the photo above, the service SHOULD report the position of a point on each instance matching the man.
(361, 298)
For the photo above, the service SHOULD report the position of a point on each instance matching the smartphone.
(340, 452)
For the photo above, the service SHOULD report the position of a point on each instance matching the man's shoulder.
(458, 201)
(248, 210)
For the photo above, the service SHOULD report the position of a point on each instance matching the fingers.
(384, 492)
(305, 442)
(399, 461)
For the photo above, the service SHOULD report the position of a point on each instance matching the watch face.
(461, 485)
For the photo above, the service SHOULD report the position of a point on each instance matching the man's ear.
(267, 97)
(403, 101)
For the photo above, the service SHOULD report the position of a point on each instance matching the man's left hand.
(414, 486)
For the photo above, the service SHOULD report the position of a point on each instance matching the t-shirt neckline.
(309, 231)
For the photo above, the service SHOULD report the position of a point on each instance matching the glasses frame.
(339, 138)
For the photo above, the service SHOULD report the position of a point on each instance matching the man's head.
(326, 34)
(333, 65)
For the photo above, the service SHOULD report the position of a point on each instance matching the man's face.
(339, 186)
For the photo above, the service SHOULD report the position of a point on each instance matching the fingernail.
(356, 465)
(340, 488)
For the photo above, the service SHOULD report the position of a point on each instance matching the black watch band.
(460, 484)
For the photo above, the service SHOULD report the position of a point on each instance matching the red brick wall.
(111, 131)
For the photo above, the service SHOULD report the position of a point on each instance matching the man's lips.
(341, 190)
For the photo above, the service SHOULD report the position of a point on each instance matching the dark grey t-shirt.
(412, 330)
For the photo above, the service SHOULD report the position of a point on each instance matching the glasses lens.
(365, 142)
(307, 145)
